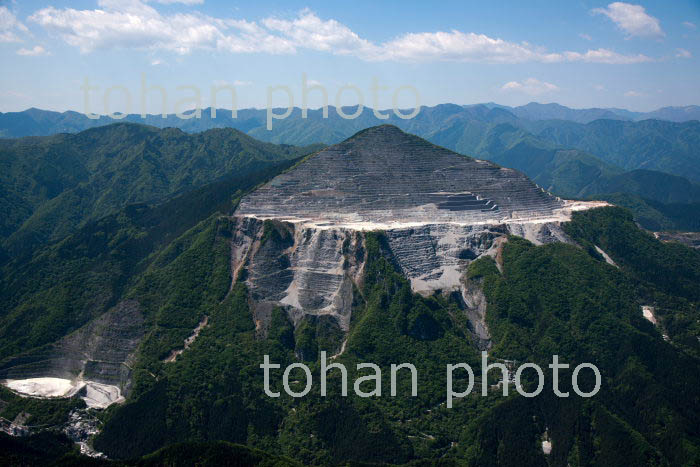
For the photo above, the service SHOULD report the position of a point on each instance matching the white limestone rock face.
(299, 238)
(95, 395)
(435, 256)
(100, 352)
(41, 387)
(305, 270)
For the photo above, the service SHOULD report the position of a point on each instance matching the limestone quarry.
(94, 394)
(93, 362)
(298, 241)
(298, 244)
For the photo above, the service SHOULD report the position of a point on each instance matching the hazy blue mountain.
(36, 122)
(674, 114)
(537, 111)
(655, 215)
(573, 172)
(649, 144)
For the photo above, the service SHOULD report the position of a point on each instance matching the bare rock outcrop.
(299, 238)
(101, 351)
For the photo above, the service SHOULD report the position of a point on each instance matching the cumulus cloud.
(605, 56)
(632, 19)
(585, 36)
(634, 94)
(184, 2)
(682, 53)
(462, 47)
(308, 30)
(135, 24)
(10, 26)
(530, 86)
(33, 52)
(689, 25)
(220, 82)
(129, 24)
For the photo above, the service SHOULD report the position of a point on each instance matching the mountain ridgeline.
(579, 153)
(37, 122)
(51, 185)
(384, 248)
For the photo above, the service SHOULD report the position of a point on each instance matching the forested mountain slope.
(177, 265)
(51, 185)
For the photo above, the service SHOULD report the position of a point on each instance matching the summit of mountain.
(383, 177)
(299, 238)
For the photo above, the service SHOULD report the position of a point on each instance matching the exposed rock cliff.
(298, 243)
(99, 352)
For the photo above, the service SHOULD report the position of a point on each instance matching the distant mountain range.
(37, 122)
(649, 144)
(537, 111)
(633, 162)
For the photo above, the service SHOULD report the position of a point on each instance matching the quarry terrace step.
(439, 210)
(382, 175)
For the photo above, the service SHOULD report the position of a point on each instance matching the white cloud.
(599, 87)
(134, 24)
(462, 47)
(33, 52)
(471, 47)
(10, 26)
(309, 31)
(184, 2)
(253, 38)
(220, 82)
(682, 53)
(689, 25)
(530, 86)
(632, 19)
(585, 36)
(129, 24)
(634, 94)
(605, 56)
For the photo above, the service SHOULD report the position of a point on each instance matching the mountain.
(65, 284)
(384, 248)
(537, 111)
(675, 114)
(655, 215)
(650, 144)
(49, 186)
(37, 122)
(563, 157)
(660, 201)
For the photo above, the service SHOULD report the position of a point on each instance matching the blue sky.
(639, 56)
